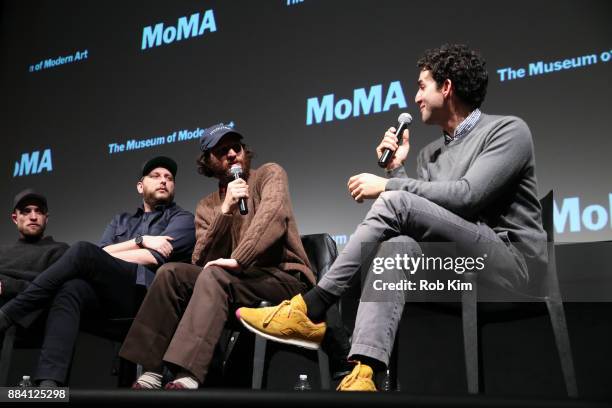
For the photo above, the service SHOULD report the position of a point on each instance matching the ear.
(14, 217)
(447, 88)
(139, 187)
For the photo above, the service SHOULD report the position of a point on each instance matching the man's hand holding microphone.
(391, 155)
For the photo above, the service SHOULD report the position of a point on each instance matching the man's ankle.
(317, 302)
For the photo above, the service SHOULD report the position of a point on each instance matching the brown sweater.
(266, 237)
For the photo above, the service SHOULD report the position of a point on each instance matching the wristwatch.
(138, 241)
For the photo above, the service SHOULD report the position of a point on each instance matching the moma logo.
(33, 163)
(593, 217)
(376, 99)
(186, 27)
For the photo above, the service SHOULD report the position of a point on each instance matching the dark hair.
(203, 161)
(464, 67)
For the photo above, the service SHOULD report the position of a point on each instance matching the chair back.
(321, 251)
(546, 203)
(550, 283)
(544, 284)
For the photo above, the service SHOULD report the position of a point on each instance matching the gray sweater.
(486, 176)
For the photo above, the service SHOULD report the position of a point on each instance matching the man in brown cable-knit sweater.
(238, 260)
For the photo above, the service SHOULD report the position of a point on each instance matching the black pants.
(85, 279)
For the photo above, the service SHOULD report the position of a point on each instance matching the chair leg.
(259, 362)
(126, 374)
(393, 363)
(230, 347)
(559, 326)
(469, 307)
(7, 352)
(324, 369)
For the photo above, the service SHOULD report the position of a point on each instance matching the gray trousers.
(403, 218)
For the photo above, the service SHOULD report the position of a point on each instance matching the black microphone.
(236, 171)
(404, 121)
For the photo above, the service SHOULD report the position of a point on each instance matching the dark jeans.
(86, 279)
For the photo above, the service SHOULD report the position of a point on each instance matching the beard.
(32, 236)
(150, 197)
(225, 176)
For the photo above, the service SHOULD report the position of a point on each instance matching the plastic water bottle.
(25, 382)
(386, 383)
(302, 383)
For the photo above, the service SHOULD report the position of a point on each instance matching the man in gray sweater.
(474, 188)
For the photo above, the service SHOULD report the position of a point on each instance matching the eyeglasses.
(222, 151)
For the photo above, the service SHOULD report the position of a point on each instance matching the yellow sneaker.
(360, 379)
(285, 323)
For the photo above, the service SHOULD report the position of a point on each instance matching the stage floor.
(270, 399)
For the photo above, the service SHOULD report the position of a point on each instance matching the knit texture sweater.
(486, 176)
(266, 237)
(22, 261)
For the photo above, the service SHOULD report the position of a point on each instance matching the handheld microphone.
(404, 121)
(236, 171)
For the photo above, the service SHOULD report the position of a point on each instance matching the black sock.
(317, 302)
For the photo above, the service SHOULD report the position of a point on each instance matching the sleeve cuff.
(393, 184)
(398, 172)
(160, 259)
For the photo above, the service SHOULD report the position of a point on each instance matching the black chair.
(321, 251)
(8, 343)
(547, 291)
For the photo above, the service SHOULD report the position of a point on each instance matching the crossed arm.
(130, 252)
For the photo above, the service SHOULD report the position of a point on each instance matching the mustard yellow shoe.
(286, 323)
(360, 379)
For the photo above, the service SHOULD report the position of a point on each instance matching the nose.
(418, 98)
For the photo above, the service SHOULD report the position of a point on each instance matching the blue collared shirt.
(464, 127)
(170, 220)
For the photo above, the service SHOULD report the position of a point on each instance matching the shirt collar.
(160, 207)
(464, 127)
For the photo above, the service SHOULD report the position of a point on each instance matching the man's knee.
(216, 274)
(175, 273)
(82, 249)
(398, 199)
(166, 272)
(75, 289)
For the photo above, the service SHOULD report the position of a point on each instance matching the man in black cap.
(104, 280)
(240, 258)
(33, 252)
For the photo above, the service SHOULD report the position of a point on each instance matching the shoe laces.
(277, 309)
(351, 378)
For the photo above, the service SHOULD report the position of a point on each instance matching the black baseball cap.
(29, 196)
(213, 134)
(159, 161)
